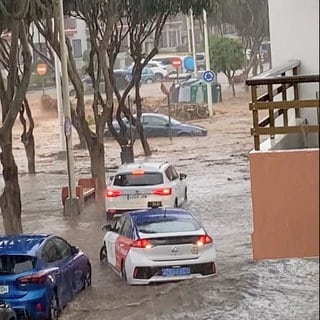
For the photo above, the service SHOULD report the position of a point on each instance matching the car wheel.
(72, 93)
(149, 80)
(54, 307)
(103, 254)
(123, 272)
(87, 279)
(185, 194)
(176, 203)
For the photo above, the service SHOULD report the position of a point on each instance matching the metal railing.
(277, 82)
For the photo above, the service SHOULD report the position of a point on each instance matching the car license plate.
(176, 271)
(154, 204)
(4, 289)
(136, 196)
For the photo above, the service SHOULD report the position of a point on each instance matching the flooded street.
(218, 181)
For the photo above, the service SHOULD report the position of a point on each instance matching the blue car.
(40, 274)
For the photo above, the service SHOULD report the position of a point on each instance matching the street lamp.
(71, 206)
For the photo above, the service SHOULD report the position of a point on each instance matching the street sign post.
(176, 63)
(208, 76)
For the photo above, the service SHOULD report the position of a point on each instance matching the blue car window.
(50, 253)
(14, 264)
(63, 247)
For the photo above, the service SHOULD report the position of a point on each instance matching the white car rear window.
(146, 179)
(168, 226)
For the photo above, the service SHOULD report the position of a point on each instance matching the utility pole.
(71, 206)
(188, 34)
(57, 69)
(193, 46)
(207, 54)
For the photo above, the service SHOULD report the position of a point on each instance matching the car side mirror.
(182, 176)
(106, 227)
(74, 250)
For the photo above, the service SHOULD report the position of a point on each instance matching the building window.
(172, 38)
(77, 49)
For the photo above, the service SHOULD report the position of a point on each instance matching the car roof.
(146, 166)
(156, 213)
(21, 244)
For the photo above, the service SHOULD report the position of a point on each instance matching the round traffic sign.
(41, 69)
(208, 76)
(188, 63)
(176, 62)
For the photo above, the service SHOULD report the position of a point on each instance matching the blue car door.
(154, 126)
(72, 265)
(51, 257)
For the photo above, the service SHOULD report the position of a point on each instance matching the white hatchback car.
(142, 185)
(158, 244)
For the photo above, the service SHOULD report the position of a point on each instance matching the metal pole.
(188, 35)
(72, 203)
(57, 69)
(193, 45)
(207, 54)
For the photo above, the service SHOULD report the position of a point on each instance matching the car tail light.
(162, 191)
(202, 240)
(112, 193)
(39, 307)
(142, 243)
(35, 278)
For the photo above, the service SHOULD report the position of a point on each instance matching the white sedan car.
(143, 185)
(158, 244)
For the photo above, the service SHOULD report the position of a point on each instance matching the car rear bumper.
(29, 306)
(142, 270)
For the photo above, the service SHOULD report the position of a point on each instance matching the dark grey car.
(158, 125)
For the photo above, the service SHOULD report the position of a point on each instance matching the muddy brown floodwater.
(219, 194)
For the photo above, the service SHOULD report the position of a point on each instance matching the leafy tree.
(250, 18)
(226, 55)
(12, 96)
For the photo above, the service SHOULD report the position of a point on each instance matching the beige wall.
(285, 200)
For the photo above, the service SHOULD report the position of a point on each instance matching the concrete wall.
(285, 200)
(294, 34)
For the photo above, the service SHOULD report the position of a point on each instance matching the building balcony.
(284, 165)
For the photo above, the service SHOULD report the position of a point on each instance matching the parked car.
(158, 125)
(159, 70)
(6, 312)
(138, 185)
(158, 244)
(147, 75)
(40, 274)
(121, 76)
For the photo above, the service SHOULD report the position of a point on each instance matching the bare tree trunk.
(233, 88)
(27, 137)
(126, 154)
(76, 124)
(96, 151)
(144, 142)
(10, 200)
